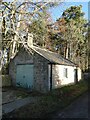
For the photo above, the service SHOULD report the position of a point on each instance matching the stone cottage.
(42, 70)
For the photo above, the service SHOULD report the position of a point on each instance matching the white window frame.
(65, 72)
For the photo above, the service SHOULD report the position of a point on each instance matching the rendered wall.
(58, 78)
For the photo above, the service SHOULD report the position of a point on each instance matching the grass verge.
(50, 102)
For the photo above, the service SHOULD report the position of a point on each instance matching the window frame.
(65, 72)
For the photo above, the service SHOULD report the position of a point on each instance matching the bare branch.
(4, 3)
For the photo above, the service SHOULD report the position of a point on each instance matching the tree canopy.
(71, 36)
(68, 35)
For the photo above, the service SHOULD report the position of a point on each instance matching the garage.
(24, 76)
(41, 70)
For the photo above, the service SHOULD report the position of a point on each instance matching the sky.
(57, 11)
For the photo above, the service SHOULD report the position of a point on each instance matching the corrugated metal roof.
(53, 57)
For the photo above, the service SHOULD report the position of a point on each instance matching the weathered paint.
(58, 78)
(22, 57)
(24, 76)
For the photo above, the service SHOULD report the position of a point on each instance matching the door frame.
(76, 75)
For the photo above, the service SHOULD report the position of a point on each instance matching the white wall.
(49, 72)
(58, 78)
(79, 74)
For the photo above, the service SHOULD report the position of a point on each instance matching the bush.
(5, 69)
(6, 81)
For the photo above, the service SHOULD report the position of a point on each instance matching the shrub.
(6, 81)
(5, 69)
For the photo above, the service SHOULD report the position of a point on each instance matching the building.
(42, 70)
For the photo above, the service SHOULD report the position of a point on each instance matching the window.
(66, 72)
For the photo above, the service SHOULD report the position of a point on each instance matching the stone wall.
(22, 57)
(40, 69)
(40, 73)
(56, 80)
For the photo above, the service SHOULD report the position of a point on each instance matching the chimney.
(30, 40)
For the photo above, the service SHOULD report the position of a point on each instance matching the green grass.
(51, 102)
(21, 94)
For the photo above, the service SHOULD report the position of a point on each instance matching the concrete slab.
(9, 107)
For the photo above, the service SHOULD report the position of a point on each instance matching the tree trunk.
(67, 53)
(16, 38)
